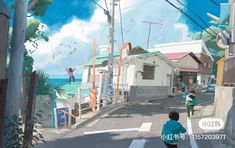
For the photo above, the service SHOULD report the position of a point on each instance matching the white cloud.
(72, 39)
(78, 34)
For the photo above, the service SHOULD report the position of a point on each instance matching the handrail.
(70, 115)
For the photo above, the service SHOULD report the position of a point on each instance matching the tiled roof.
(176, 56)
(180, 55)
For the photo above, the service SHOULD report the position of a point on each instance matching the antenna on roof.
(150, 23)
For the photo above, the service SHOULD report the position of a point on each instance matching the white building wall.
(130, 77)
(85, 73)
(191, 46)
(162, 69)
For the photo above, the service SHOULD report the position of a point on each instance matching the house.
(188, 64)
(147, 74)
(199, 49)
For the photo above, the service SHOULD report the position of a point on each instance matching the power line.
(197, 16)
(214, 2)
(162, 35)
(135, 5)
(99, 5)
(189, 17)
(106, 5)
(106, 12)
(159, 36)
(120, 13)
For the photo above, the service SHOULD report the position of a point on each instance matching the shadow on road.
(163, 106)
(105, 140)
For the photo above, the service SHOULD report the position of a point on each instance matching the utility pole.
(108, 86)
(150, 27)
(232, 24)
(15, 70)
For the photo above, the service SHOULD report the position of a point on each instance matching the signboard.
(61, 120)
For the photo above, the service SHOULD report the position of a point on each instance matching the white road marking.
(139, 143)
(145, 127)
(193, 143)
(111, 131)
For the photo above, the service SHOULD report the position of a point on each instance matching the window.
(149, 72)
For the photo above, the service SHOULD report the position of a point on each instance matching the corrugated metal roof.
(144, 54)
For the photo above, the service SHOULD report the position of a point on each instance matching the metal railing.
(101, 100)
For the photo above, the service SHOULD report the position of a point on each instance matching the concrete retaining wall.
(225, 108)
(43, 103)
(143, 93)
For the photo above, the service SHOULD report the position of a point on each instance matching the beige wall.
(187, 62)
(161, 71)
(225, 108)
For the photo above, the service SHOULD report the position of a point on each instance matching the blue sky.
(72, 24)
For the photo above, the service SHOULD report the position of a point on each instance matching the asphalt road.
(136, 125)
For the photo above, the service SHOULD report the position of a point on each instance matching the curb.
(105, 110)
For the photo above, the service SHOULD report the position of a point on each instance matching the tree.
(16, 59)
(17, 52)
(210, 42)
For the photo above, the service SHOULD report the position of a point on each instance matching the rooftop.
(180, 55)
(176, 56)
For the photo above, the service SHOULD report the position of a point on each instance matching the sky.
(71, 26)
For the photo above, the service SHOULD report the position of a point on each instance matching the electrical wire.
(135, 5)
(204, 22)
(106, 12)
(190, 18)
(162, 35)
(99, 5)
(120, 13)
(214, 2)
(106, 5)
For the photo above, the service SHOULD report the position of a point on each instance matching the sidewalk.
(208, 112)
(51, 134)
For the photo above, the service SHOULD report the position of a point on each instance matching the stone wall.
(225, 108)
(143, 93)
(43, 103)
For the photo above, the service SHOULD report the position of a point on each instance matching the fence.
(143, 93)
(101, 100)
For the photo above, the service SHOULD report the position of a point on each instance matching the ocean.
(58, 82)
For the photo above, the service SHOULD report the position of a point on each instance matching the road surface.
(136, 125)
